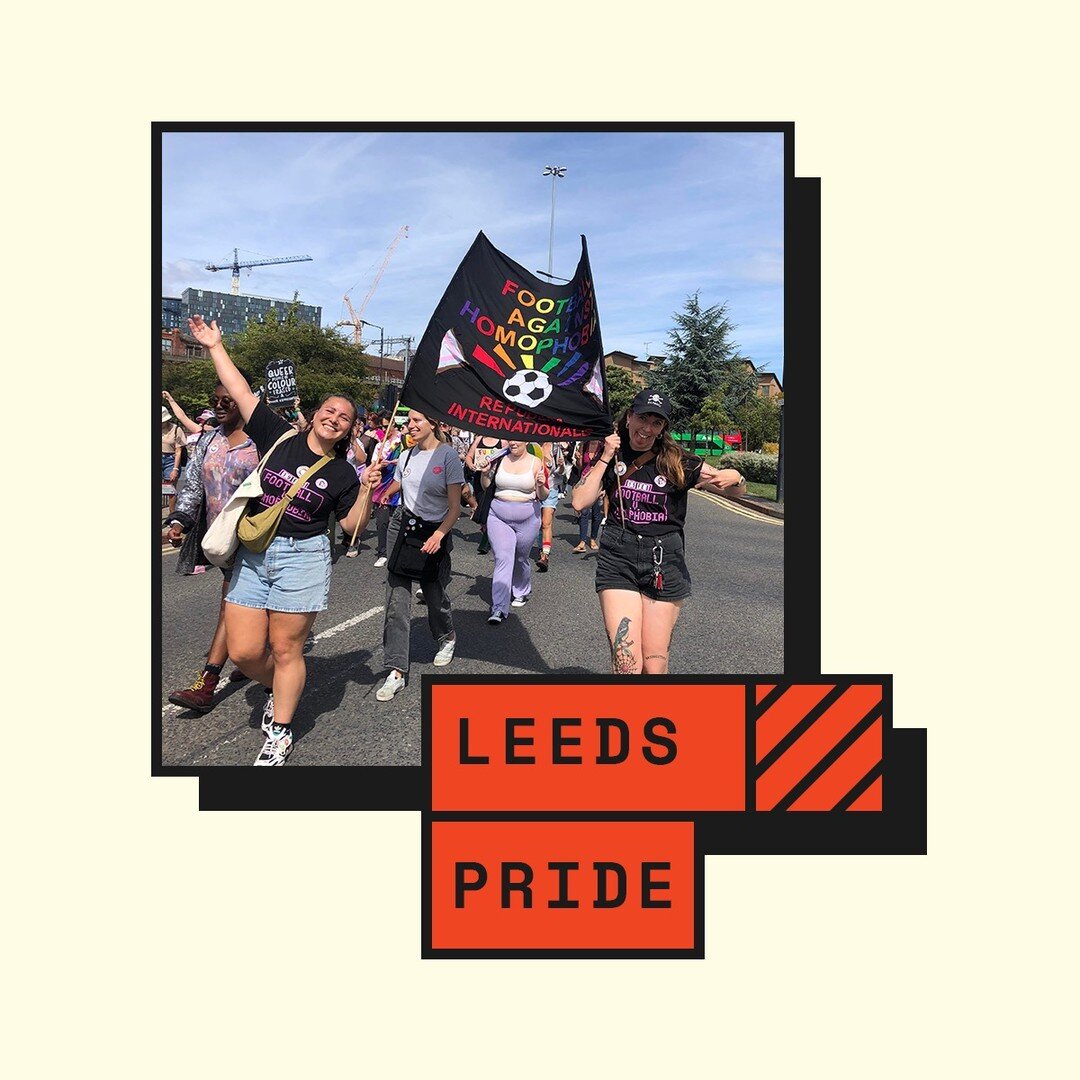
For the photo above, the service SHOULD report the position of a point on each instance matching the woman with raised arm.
(192, 427)
(641, 572)
(275, 594)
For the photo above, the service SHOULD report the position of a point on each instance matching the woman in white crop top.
(520, 487)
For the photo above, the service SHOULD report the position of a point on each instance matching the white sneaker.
(268, 713)
(394, 682)
(496, 617)
(420, 595)
(380, 561)
(445, 653)
(518, 601)
(278, 745)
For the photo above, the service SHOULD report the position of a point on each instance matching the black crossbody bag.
(407, 560)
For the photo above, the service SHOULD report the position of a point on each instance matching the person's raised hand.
(207, 336)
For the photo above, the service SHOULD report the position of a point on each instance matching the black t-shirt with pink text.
(654, 506)
(333, 490)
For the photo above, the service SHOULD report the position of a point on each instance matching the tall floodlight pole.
(554, 171)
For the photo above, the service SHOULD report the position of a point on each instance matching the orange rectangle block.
(588, 747)
(562, 885)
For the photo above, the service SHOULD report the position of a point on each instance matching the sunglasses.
(224, 402)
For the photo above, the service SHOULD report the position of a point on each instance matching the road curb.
(760, 505)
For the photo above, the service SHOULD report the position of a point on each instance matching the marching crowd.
(260, 493)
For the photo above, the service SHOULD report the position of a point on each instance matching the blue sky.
(665, 214)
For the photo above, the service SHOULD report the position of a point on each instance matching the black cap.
(652, 401)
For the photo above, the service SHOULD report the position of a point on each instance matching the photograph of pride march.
(471, 402)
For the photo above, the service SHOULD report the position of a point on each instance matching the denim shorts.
(626, 561)
(552, 500)
(290, 575)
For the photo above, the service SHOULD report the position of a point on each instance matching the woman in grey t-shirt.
(429, 476)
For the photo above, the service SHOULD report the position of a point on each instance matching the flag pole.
(366, 494)
(618, 483)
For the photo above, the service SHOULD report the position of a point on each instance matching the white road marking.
(348, 622)
(171, 710)
(736, 508)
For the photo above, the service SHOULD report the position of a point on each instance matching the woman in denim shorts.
(275, 594)
(641, 572)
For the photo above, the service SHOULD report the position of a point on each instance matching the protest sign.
(280, 386)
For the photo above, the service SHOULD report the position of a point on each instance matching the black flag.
(509, 355)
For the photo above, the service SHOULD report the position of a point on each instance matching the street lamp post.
(554, 171)
(780, 457)
(382, 333)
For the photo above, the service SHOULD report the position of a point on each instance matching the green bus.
(708, 443)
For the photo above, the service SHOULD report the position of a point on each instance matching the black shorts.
(626, 561)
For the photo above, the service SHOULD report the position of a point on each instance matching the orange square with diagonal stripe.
(819, 747)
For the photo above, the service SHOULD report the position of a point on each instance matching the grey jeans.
(399, 597)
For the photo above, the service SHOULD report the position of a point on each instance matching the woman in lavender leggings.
(520, 488)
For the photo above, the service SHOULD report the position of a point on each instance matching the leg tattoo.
(622, 653)
(659, 664)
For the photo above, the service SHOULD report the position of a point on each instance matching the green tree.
(621, 389)
(325, 363)
(712, 416)
(758, 418)
(702, 361)
(190, 382)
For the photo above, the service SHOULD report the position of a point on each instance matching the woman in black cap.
(641, 573)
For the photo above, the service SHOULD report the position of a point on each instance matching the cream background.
(145, 939)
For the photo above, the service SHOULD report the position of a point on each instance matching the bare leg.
(622, 610)
(658, 622)
(247, 631)
(287, 633)
(219, 650)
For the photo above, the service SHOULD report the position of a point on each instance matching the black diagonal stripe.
(831, 757)
(861, 786)
(769, 700)
(800, 729)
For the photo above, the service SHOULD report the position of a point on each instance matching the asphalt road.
(732, 624)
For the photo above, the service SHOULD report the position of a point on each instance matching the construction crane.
(236, 266)
(355, 319)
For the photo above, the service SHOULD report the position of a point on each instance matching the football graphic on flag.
(528, 388)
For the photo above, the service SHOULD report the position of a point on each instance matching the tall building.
(233, 313)
(172, 313)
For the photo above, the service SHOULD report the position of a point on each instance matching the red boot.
(199, 695)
